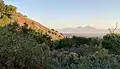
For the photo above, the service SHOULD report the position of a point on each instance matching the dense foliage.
(112, 42)
(24, 48)
(18, 48)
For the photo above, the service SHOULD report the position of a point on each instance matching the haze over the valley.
(85, 31)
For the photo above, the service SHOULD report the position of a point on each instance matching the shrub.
(52, 29)
(24, 50)
(52, 32)
(98, 60)
(49, 31)
(112, 43)
(55, 33)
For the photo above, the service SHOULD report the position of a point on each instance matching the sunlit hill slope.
(9, 14)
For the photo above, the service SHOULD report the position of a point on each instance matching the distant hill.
(9, 14)
(87, 31)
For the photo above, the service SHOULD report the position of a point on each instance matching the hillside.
(9, 14)
(37, 26)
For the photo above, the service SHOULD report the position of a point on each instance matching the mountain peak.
(79, 27)
(86, 27)
(89, 27)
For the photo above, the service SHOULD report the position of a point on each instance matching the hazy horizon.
(68, 13)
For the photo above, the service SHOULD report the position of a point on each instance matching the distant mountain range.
(87, 31)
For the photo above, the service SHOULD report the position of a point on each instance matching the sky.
(60, 14)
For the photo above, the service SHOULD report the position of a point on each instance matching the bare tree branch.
(113, 30)
(115, 27)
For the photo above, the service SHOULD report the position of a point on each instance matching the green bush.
(112, 43)
(98, 60)
(53, 30)
(23, 50)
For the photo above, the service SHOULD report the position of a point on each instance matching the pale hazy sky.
(71, 13)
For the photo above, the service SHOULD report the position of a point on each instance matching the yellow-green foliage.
(4, 20)
(9, 9)
(7, 13)
(41, 31)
